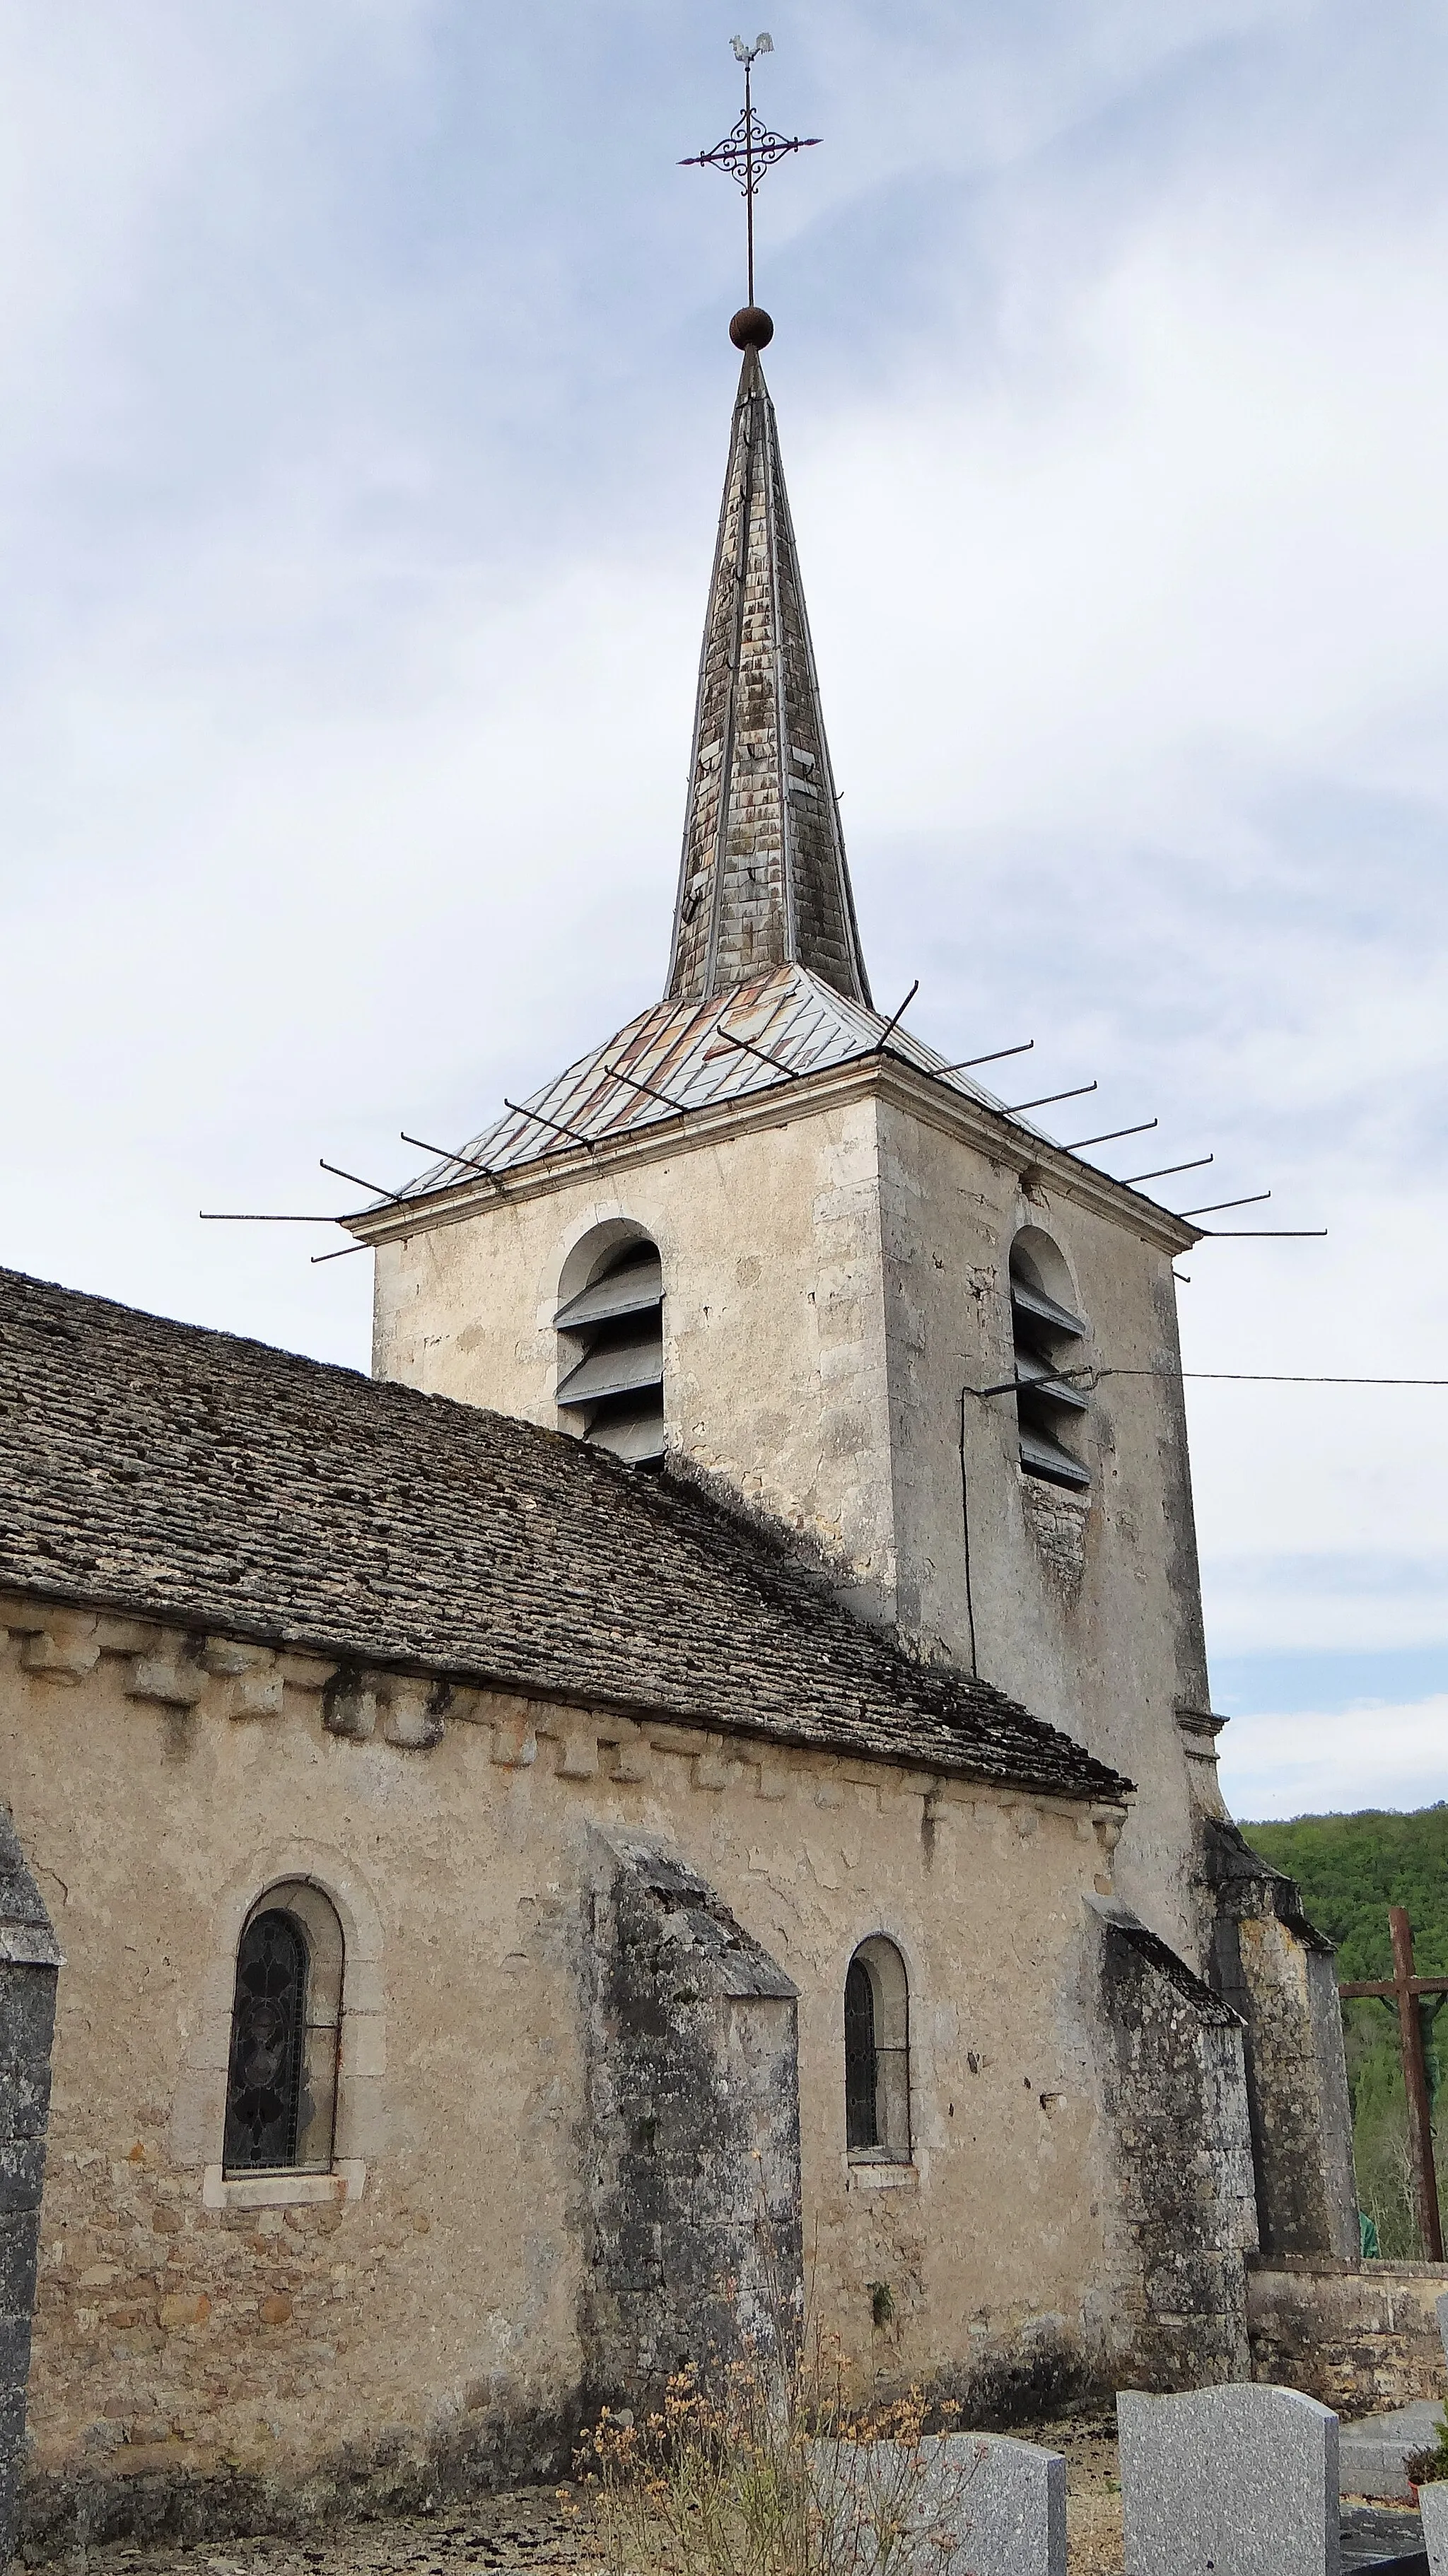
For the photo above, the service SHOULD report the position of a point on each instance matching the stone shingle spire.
(763, 881)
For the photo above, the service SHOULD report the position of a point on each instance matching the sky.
(364, 390)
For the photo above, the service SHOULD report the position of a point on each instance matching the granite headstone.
(1433, 2514)
(1231, 2481)
(961, 2504)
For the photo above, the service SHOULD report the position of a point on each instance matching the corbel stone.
(630, 1757)
(349, 1707)
(306, 1672)
(127, 1636)
(173, 1680)
(254, 1694)
(64, 1650)
(413, 1713)
(711, 1771)
(228, 1658)
(515, 1739)
(578, 1753)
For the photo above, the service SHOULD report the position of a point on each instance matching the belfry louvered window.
(1050, 1390)
(611, 1355)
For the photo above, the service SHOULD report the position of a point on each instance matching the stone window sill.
(881, 2173)
(220, 2190)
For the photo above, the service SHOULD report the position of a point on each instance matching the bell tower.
(763, 1236)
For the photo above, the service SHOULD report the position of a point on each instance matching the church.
(692, 1784)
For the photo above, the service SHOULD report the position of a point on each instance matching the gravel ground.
(531, 2530)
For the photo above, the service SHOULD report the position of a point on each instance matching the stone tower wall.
(832, 1284)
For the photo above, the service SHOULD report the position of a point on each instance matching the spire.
(763, 881)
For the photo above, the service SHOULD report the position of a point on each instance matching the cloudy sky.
(364, 399)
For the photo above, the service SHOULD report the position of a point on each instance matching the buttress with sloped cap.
(763, 881)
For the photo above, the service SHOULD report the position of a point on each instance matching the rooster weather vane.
(747, 151)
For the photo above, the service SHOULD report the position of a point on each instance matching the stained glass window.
(861, 2124)
(877, 2053)
(268, 2035)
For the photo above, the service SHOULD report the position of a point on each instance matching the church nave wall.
(416, 2316)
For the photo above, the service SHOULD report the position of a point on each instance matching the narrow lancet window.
(286, 2017)
(877, 2053)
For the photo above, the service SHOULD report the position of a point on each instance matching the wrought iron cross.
(749, 148)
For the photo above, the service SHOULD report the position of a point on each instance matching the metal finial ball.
(751, 328)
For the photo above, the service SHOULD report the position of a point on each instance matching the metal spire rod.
(1110, 1137)
(1047, 1097)
(469, 1162)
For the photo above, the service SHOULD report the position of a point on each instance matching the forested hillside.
(1350, 1870)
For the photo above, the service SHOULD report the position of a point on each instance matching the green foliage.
(1428, 2466)
(1351, 1869)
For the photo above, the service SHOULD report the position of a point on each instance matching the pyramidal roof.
(763, 881)
(682, 1055)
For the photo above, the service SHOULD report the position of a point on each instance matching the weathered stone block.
(63, 1652)
(172, 1681)
(1242, 2480)
(412, 1716)
(22, 2171)
(349, 1707)
(254, 1694)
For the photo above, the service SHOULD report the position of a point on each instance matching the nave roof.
(160, 1470)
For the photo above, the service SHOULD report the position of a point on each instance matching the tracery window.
(877, 2053)
(281, 2088)
(611, 1348)
(1049, 1339)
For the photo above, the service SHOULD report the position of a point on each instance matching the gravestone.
(1433, 2513)
(1440, 2310)
(967, 2504)
(1241, 2481)
(29, 1961)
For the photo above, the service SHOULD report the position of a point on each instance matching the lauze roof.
(153, 1468)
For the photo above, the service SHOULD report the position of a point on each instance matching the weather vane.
(747, 151)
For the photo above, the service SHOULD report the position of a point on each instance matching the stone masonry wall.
(1277, 1971)
(831, 1285)
(217, 2353)
(694, 2157)
(1176, 2099)
(29, 1960)
(1361, 2338)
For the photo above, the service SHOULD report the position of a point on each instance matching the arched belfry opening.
(1049, 1338)
(611, 1346)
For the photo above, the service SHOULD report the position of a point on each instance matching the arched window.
(281, 2086)
(1049, 1341)
(611, 1347)
(877, 2053)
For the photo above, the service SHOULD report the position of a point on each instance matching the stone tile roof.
(156, 1469)
(763, 879)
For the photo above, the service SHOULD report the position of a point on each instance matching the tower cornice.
(890, 1079)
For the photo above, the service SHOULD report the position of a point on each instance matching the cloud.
(366, 407)
(1338, 1762)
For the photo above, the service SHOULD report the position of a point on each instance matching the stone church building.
(696, 1775)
